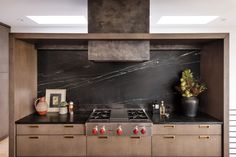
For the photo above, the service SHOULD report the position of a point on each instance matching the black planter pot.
(190, 106)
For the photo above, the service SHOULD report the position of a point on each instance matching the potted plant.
(189, 88)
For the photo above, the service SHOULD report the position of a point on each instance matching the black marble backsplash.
(115, 84)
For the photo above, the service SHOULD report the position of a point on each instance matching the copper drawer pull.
(135, 137)
(169, 126)
(103, 137)
(204, 137)
(204, 126)
(34, 126)
(33, 137)
(68, 136)
(169, 137)
(68, 126)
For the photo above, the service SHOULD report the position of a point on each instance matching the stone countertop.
(181, 119)
(55, 118)
(82, 116)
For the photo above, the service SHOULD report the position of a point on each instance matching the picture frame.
(54, 97)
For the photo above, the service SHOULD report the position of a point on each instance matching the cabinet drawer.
(67, 145)
(187, 129)
(26, 129)
(191, 145)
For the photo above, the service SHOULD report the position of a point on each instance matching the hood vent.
(118, 16)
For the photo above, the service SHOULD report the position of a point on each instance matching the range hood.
(118, 16)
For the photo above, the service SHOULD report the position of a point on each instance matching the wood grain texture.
(23, 83)
(118, 36)
(52, 129)
(212, 64)
(118, 146)
(4, 105)
(182, 145)
(58, 145)
(4, 49)
(187, 129)
(226, 97)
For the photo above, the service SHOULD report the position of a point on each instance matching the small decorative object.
(162, 109)
(71, 107)
(63, 108)
(190, 88)
(41, 106)
(54, 97)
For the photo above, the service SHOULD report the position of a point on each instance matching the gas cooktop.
(119, 115)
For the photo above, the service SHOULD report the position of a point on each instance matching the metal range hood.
(118, 16)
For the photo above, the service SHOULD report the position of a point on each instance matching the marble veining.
(92, 84)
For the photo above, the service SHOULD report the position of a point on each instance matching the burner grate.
(137, 115)
(100, 115)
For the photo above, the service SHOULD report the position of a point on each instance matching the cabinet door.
(67, 145)
(192, 145)
(52, 129)
(118, 146)
(195, 129)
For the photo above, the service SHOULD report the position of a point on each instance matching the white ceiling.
(13, 12)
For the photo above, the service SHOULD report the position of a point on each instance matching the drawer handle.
(135, 137)
(169, 137)
(33, 137)
(68, 136)
(68, 126)
(103, 137)
(34, 126)
(169, 126)
(204, 137)
(204, 126)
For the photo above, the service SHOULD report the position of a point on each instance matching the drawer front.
(191, 145)
(186, 129)
(67, 145)
(118, 146)
(30, 129)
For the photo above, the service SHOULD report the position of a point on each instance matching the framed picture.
(54, 97)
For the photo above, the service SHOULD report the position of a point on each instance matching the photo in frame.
(54, 97)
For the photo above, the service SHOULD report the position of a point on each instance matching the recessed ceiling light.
(186, 19)
(58, 19)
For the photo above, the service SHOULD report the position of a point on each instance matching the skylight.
(186, 20)
(58, 19)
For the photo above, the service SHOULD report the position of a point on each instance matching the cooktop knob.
(95, 130)
(135, 131)
(103, 130)
(119, 131)
(143, 130)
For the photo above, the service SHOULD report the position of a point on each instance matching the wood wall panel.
(23, 83)
(4, 49)
(4, 105)
(4, 80)
(212, 74)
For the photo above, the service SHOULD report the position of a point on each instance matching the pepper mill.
(71, 107)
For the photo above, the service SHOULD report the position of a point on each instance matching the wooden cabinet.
(187, 140)
(51, 140)
(4, 80)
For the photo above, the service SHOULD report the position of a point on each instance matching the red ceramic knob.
(135, 131)
(143, 131)
(95, 131)
(102, 130)
(119, 131)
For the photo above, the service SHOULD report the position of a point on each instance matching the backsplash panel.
(115, 84)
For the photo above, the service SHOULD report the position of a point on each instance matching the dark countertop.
(54, 118)
(181, 119)
(82, 116)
